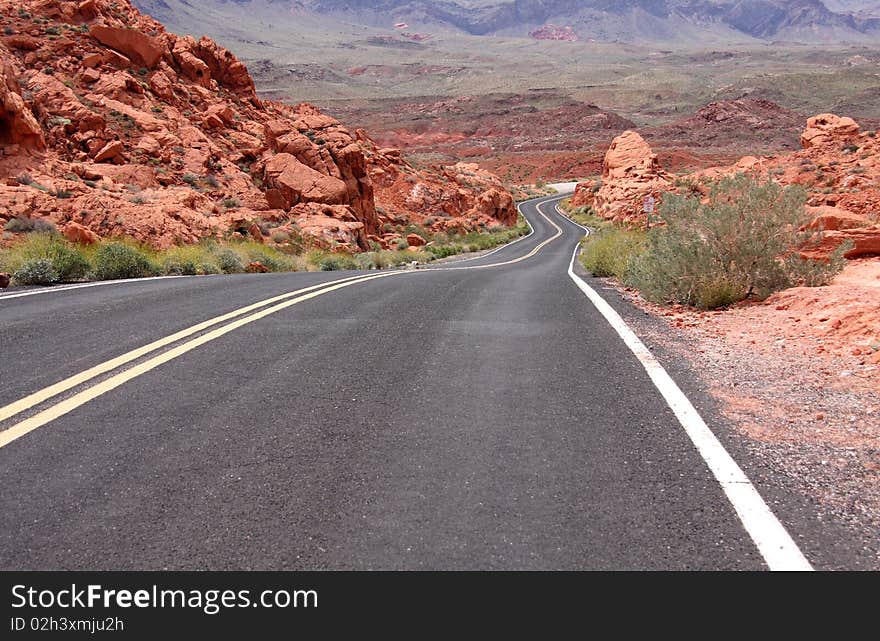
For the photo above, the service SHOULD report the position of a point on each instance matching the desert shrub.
(610, 251)
(231, 203)
(274, 260)
(367, 260)
(172, 266)
(118, 260)
(67, 261)
(25, 225)
(36, 271)
(188, 260)
(229, 261)
(443, 251)
(742, 244)
(337, 262)
(206, 269)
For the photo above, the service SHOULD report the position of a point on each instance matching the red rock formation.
(630, 173)
(554, 32)
(123, 128)
(76, 233)
(826, 128)
(18, 126)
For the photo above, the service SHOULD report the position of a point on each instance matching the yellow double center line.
(266, 307)
(38, 420)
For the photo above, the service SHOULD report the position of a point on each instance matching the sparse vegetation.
(46, 257)
(744, 243)
(610, 251)
(117, 260)
(36, 271)
(25, 225)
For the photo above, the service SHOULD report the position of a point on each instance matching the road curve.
(476, 415)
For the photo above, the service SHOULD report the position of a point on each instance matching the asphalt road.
(447, 418)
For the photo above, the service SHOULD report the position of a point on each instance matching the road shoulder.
(792, 482)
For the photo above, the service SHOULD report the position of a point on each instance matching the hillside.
(672, 21)
(111, 125)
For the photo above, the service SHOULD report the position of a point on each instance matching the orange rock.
(16, 118)
(414, 240)
(826, 128)
(161, 85)
(257, 267)
(135, 45)
(295, 182)
(76, 233)
(150, 132)
(92, 60)
(631, 172)
(255, 233)
(90, 76)
(834, 219)
(111, 151)
(865, 242)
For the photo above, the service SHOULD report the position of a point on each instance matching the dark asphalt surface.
(437, 419)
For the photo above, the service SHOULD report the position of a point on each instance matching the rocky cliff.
(838, 165)
(110, 123)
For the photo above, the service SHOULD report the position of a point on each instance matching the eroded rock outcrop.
(630, 173)
(110, 125)
(826, 128)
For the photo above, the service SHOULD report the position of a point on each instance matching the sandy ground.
(799, 377)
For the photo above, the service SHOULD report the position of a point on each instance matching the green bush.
(337, 262)
(68, 262)
(610, 251)
(36, 271)
(118, 260)
(177, 267)
(229, 262)
(25, 225)
(274, 260)
(744, 243)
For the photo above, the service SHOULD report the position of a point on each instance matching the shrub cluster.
(744, 243)
(44, 257)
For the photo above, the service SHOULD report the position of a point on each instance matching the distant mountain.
(802, 20)
(807, 21)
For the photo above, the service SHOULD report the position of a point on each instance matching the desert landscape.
(166, 138)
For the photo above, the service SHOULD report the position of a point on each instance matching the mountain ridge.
(627, 20)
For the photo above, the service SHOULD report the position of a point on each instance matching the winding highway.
(494, 413)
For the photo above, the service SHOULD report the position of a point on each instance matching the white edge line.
(774, 543)
(64, 288)
(497, 249)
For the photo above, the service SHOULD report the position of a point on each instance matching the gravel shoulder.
(804, 409)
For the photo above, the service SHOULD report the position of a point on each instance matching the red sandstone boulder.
(16, 119)
(4, 280)
(257, 267)
(138, 47)
(76, 233)
(290, 182)
(112, 151)
(631, 172)
(148, 148)
(826, 128)
(414, 240)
